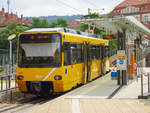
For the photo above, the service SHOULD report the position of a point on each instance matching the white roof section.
(114, 25)
(44, 30)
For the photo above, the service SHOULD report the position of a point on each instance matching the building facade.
(140, 9)
(5, 18)
(74, 24)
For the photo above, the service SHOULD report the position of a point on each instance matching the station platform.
(96, 97)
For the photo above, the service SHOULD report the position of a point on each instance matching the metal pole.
(119, 48)
(10, 55)
(118, 77)
(124, 48)
(141, 85)
(148, 84)
(6, 89)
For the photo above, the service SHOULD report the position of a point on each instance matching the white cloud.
(58, 7)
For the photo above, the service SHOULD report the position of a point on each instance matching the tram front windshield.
(39, 50)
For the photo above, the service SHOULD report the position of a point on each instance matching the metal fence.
(7, 82)
(145, 85)
(4, 58)
(7, 72)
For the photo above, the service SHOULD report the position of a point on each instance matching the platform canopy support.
(129, 32)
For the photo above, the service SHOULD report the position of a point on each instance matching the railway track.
(23, 105)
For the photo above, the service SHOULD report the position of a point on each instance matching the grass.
(4, 81)
(2, 73)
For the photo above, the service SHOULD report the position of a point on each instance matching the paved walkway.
(63, 105)
(101, 88)
(92, 98)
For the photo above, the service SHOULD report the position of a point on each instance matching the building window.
(137, 10)
(145, 19)
(127, 10)
(132, 9)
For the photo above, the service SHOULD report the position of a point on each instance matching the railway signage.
(121, 61)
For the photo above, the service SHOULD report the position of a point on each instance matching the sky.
(58, 7)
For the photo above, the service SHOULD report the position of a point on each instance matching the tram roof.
(113, 25)
(66, 30)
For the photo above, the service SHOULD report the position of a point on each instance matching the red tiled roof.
(6, 18)
(127, 3)
(74, 24)
(143, 5)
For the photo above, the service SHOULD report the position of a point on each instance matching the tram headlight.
(20, 77)
(58, 77)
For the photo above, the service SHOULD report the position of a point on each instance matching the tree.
(61, 22)
(11, 28)
(94, 15)
(44, 23)
(53, 25)
(36, 22)
(113, 44)
(83, 27)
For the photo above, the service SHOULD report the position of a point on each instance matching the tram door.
(86, 68)
(102, 53)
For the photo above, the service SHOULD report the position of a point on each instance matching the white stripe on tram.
(49, 74)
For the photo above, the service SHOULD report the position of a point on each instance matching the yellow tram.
(53, 60)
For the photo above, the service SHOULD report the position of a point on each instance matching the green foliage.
(51, 19)
(83, 27)
(44, 23)
(61, 22)
(97, 31)
(113, 44)
(53, 25)
(11, 28)
(94, 15)
(38, 23)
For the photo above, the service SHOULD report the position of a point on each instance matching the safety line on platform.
(75, 106)
(113, 94)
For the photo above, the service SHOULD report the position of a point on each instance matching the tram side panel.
(69, 74)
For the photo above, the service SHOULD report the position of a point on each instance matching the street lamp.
(10, 38)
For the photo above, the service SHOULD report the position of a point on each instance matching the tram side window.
(98, 52)
(94, 52)
(73, 54)
(103, 52)
(67, 54)
(76, 53)
(106, 51)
